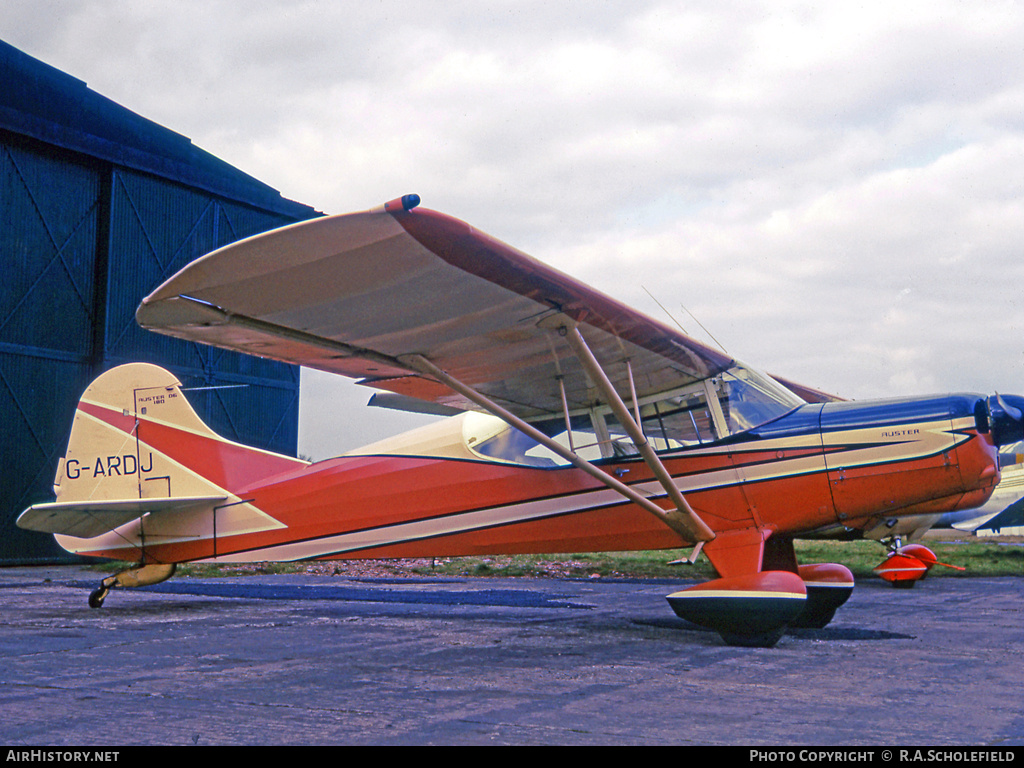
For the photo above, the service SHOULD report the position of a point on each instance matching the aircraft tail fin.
(137, 447)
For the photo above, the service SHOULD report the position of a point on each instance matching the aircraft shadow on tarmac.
(511, 598)
(828, 633)
(503, 598)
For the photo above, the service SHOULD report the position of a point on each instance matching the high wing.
(423, 305)
(357, 294)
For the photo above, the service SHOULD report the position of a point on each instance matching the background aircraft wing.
(352, 294)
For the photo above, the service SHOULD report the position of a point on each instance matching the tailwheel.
(829, 585)
(139, 576)
(97, 596)
(749, 611)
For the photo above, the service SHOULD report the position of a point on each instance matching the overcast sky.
(835, 192)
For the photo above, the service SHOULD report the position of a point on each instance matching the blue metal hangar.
(98, 206)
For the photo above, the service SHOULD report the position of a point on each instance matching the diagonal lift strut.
(683, 520)
(687, 517)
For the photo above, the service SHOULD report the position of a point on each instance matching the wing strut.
(593, 368)
(692, 529)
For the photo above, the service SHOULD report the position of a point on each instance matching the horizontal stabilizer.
(86, 519)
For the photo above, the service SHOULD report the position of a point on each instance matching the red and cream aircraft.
(583, 426)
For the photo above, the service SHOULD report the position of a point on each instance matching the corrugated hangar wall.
(97, 208)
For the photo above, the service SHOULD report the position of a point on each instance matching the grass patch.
(980, 557)
(581, 565)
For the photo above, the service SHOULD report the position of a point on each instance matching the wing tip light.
(403, 203)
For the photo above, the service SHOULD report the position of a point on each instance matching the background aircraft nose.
(1003, 416)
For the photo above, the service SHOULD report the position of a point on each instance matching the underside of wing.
(86, 519)
(357, 294)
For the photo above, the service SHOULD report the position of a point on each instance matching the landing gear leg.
(139, 576)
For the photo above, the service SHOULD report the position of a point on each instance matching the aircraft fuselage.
(821, 464)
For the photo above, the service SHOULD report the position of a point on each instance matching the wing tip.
(403, 203)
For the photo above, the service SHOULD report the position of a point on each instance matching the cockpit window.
(749, 399)
(734, 401)
(491, 438)
(674, 422)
